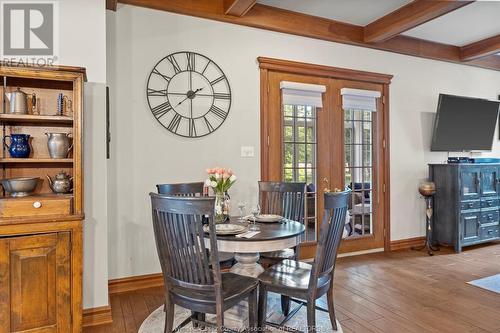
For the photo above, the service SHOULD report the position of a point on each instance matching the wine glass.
(241, 207)
(255, 213)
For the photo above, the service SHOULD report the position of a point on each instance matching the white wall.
(82, 33)
(82, 37)
(144, 153)
(95, 246)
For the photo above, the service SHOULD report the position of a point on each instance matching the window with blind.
(359, 107)
(301, 103)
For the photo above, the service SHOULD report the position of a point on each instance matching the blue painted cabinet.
(466, 204)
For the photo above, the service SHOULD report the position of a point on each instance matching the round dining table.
(271, 237)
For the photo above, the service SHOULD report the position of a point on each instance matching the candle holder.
(427, 190)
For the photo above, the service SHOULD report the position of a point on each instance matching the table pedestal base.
(247, 264)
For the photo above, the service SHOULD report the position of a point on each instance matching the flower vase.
(221, 207)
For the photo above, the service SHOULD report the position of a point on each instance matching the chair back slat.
(180, 240)
(281, 198)
(330, 234)
(183, 190)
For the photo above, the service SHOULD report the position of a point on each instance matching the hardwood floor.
(395, 292)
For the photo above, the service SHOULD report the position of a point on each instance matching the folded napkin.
(248, 234)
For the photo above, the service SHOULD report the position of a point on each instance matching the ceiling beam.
(480, 49)
(238, 7)
(407, 17)
(280, 20)
(111, 5)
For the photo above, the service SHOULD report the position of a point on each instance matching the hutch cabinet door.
(470, 183)
(489, 180)
(470, 223)
(35, 284)
(4, 287)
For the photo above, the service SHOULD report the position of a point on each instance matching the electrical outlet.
(247, 151)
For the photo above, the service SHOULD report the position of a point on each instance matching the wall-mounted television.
(464, 124)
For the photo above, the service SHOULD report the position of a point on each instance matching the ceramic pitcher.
(19, 145)
(59, 144)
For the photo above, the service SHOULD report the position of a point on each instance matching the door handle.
(327, 185)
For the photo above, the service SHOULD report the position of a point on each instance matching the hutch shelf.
(41, 234)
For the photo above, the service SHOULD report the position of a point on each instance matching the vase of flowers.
(220, 180)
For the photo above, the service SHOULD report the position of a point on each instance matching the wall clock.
(188, 94)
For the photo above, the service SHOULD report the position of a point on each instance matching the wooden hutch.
(41, 234)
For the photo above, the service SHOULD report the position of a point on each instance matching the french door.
(329, 146)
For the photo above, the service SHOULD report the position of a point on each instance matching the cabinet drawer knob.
(37, 204)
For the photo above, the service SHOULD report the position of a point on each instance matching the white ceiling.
(463, 26)
(360, 12)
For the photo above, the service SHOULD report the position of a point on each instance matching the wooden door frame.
(267, 65)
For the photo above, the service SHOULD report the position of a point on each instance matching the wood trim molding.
(97, 316)
(386, 156)
(406, 244)
(407, 17)
(238, 7)
(285, 21)
(480, 49)
(121, 285)
(269, 68)
(111, 5)
(287, 66)
(264, 133)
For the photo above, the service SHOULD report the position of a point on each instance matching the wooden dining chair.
(285, 199)
(303, 281)
(226, 259)
(191, 281)
(182, 189)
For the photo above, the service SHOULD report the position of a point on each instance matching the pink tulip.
(230, 172)
(226, 175)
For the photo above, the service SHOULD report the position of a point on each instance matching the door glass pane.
(358, 161)
(299, 157)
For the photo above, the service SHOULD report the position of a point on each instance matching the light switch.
(247, 151)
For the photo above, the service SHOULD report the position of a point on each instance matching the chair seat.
(234, 287)
(279, 255)
(290, 274)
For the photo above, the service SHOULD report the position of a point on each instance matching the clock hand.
(190, 96)
(199, 89)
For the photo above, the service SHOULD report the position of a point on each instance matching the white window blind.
(358, 99)
(295, 93)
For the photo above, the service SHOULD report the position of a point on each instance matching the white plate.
(227, 229)
(267, 218)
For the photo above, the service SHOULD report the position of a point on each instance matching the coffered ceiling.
(464, 32)
(359, 12)
(463, 26)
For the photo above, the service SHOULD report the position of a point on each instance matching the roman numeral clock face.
(189, 94)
